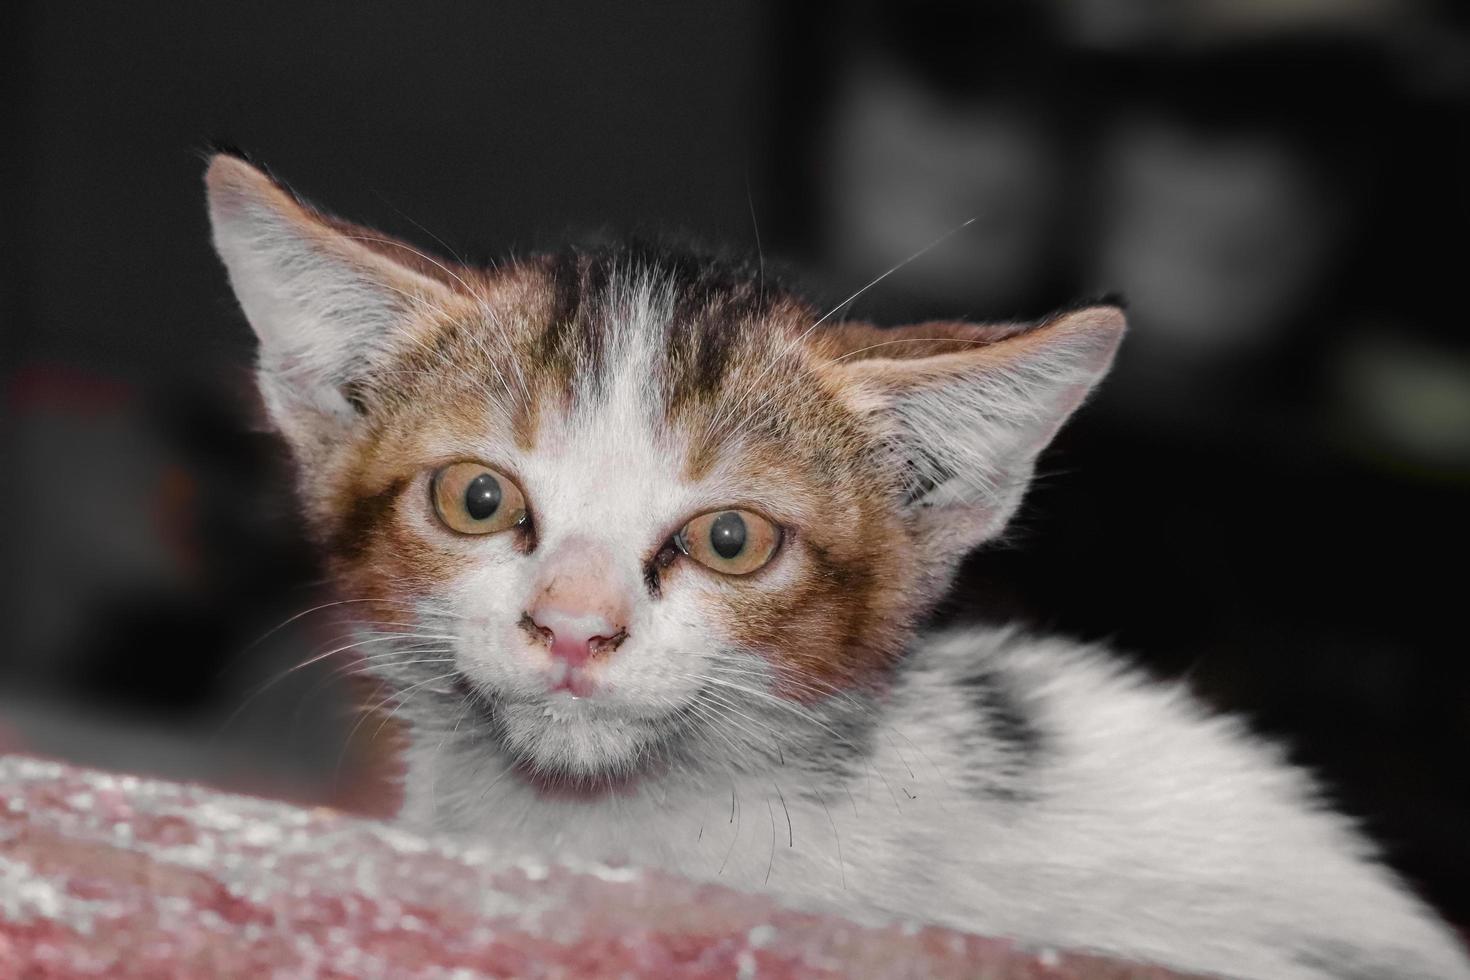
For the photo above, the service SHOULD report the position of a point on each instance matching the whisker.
(755, 386)
(912, 340)
(268, 685)
(771, 862)
(316, 609)
(837, 838)
(363, 665)
(790, 833)
(713, 725)
(410, 249)
(506, 771)
(773, 701)
(402, 696)
(759, 251)
(738, 720)
(735, 837)
(912, 258)
(466, 705)
(366, 713)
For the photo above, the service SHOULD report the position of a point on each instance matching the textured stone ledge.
(118, 876)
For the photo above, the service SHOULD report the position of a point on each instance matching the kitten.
(643, 542)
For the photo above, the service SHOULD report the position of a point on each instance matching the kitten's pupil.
(727, 534)
(482, 497)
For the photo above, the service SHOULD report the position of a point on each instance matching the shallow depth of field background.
(1267, 501)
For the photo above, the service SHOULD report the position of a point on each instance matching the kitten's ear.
(967, 408)
(326, 299)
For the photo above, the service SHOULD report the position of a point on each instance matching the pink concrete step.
(104, 875)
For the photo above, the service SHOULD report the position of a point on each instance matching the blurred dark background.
(1267, 500)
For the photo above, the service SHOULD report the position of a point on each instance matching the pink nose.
(576, 635)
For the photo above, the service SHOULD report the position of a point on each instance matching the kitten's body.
(778, 726)
(1011, 786)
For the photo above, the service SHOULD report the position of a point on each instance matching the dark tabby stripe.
(364, 516)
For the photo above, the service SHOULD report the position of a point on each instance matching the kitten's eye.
(735, 542)
(471, 498)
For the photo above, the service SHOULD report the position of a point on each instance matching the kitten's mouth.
(570, 682)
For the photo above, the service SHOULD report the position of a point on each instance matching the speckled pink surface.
(117, 876)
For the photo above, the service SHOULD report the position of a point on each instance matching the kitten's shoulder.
(1106, 767)
(1058, 682)
(1085, 719)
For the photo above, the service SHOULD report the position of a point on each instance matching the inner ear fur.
(237, 188)
(850, 342)
(329, 300)
(964, 409)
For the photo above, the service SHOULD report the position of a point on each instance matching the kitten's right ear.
(327, 300)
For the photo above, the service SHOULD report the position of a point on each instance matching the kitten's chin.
(580, 744)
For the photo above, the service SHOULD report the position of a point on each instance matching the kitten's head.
(622, 500)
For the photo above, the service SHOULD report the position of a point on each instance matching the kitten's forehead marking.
(624, 444)
(601, 461)
(695, 333)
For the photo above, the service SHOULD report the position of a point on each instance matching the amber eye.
(735, 542)
(471, 498)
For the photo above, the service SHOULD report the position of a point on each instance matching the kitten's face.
(606, 462)
(634, 504)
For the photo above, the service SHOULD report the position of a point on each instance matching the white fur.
(1153, 831)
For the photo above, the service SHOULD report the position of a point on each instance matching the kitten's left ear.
(329, 301)
(966, 409)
